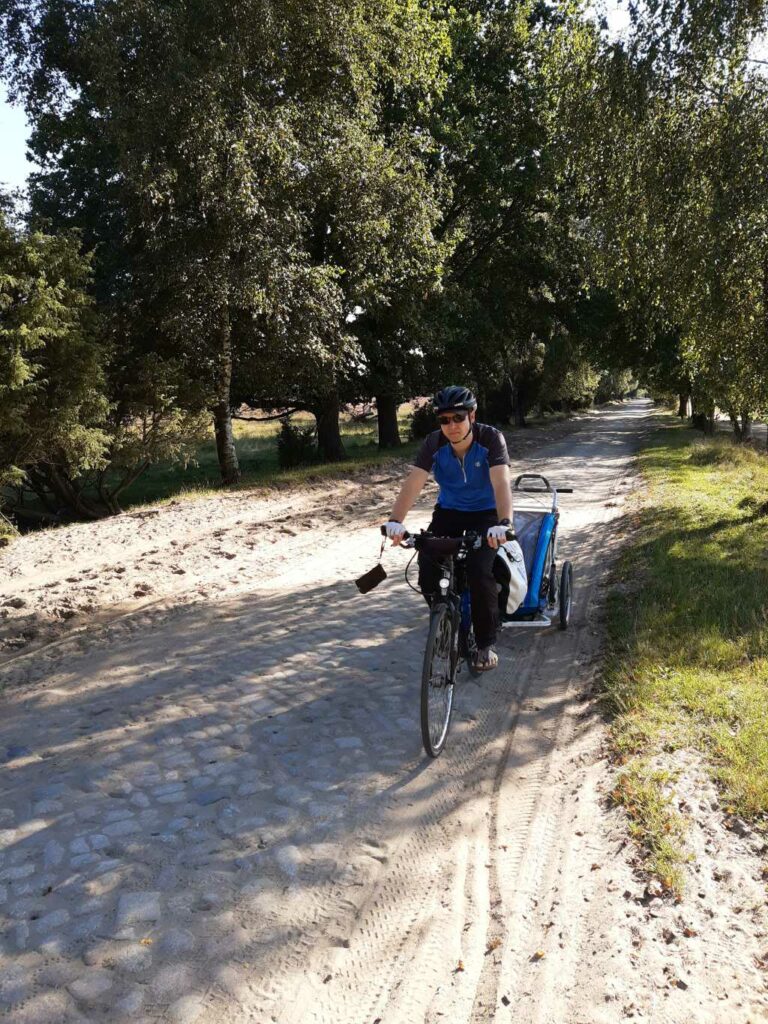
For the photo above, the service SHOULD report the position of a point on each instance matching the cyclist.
(471, 466)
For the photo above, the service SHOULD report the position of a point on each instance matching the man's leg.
(484, 593)
(429, 575)
(442, 525)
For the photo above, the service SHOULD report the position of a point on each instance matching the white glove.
(496, 535)
(395, 531)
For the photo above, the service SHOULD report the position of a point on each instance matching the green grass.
(688, 635)
(257, 452)
(646, 794)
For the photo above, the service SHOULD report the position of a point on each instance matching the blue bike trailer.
(536, 530)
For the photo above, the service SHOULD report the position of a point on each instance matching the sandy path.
(70, 578)
(216, 808)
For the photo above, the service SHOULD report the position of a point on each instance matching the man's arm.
(409, 492)
(502, 489)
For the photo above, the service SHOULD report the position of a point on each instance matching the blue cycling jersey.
(465, 483)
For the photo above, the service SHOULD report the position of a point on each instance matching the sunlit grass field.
(257, 452)
(687, 663)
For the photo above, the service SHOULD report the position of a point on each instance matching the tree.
(52, 402)
(67, 431)
(246, 150)
(676, 172)
(517, 269)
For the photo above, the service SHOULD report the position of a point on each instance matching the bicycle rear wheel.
(437, 679)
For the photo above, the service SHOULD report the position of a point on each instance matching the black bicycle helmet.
(454, 397)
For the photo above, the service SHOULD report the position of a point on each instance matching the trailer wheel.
(566, 594)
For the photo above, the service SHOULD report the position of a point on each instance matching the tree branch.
(126, 482)
(264, 419)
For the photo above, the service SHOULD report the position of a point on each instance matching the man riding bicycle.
(470, 464)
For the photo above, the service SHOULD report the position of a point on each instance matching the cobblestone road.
(195, 802)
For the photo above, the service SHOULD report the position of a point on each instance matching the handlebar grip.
(406, 535)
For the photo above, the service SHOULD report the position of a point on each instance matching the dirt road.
(216, 808)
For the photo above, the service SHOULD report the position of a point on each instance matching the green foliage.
(52, 380)
(674, 156)
(422, 421)
(296, 445)
(613, 384)
(76, 423)
(579, 386)
(515, 297)
(253, 184)
(8, 531)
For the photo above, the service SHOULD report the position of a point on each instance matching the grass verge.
(687, 631)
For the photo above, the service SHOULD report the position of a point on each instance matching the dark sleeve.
(497, 449)
(426, 454)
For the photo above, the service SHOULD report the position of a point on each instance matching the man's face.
(456, 431)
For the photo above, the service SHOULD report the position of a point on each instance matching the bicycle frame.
(465, 610)
(450, 610)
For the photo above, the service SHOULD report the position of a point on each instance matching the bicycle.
(451, 638)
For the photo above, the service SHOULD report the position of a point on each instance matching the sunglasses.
(456, 417)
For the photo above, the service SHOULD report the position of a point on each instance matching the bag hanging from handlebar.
(371, 579)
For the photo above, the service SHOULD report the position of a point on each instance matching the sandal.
(486, 659)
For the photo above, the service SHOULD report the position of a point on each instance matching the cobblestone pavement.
(196, 803)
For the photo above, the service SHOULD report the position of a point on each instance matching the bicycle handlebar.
(406, 535)
(471, 538)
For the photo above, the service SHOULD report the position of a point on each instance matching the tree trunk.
(765, 313)
(682, 406)
(326, 413)
(389, 434)
(68, 494)
(735, 424)
(746, 425)
(518, 411)
(39, 486)
(711, 422)
(222, 409)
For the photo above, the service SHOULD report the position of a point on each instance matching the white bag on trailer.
(509, 570)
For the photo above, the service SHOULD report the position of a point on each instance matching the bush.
(577, 388)
(8, 531)
(422, 421)
(614, 384)
(296, 445)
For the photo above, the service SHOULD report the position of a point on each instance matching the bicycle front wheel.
(437, 679)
